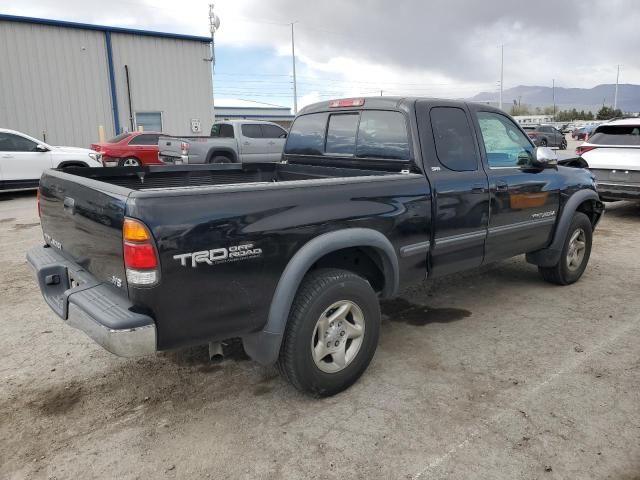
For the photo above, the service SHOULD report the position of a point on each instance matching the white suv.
(613, 154)
(24, 158)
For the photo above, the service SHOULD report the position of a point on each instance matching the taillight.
(140, 256)
(347, 102)
(38, 202)
(583, 149)
(184, 148)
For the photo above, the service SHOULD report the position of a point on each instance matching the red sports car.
(130, 149)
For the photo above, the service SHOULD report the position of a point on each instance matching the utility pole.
(214, 24)
(615, 95)
(293, 61)
(501, 73)
(553, 95)
(380, 92)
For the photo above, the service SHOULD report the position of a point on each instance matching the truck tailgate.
(83, 218)
(170, 146)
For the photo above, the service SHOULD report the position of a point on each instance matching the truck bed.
(153, 178)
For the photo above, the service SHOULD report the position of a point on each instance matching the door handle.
(272, 143)
(502, 186)
(247, 143)
(478, 188)
(7, 156)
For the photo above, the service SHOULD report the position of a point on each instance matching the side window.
(222, 130)
(454, 142)
(251, 130)
(341, 134)
(144, 140)
(505, 144)
(382, 135)
(14, 143)
(273, 131)
(307, 134)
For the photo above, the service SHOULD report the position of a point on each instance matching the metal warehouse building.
(59, 81)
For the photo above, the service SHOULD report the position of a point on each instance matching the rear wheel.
(130, 162)
(575, 253)
(543, 142)
(332, 332)
(221, 159)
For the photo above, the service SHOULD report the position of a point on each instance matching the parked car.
(231, 141)
(582, 133)
(546, 136)
(613, 154)
(23, 159)
(130, 149)
(372, 195)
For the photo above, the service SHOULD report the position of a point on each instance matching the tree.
(607, 113)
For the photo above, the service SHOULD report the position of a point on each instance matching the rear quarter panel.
(208, 302)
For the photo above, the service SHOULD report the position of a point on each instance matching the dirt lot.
(490, 374)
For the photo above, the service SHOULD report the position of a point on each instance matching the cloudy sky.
(448, 48)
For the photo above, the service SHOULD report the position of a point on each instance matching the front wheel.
(575, 253)
(543, 142)
(563, 144)
(332, 332)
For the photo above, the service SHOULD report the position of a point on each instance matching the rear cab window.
(365, 134)
(627, 135)
(222, 130)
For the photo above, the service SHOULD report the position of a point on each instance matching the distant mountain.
(567, 98)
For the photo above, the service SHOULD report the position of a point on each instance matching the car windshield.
(617, 135)
(118, 138)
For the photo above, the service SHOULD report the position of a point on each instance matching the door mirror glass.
(544, 157)
(41, 148)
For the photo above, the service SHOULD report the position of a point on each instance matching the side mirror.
(544, 157)
(41, 148)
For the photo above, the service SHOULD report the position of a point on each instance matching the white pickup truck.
(231, 141)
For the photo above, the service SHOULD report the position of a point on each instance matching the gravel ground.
(488, 374)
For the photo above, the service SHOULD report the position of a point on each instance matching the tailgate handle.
(69, 205)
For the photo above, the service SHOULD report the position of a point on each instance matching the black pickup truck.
(292, 257)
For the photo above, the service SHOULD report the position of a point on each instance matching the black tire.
(221, 159)
(561, 273)
(543, 142)
(319, 291)
(129, 162)
(563, 144)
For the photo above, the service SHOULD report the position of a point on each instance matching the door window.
(273, 131)
(15, 143)
(506, 146)
(454, 142)
(149, 121)
(252, 130)
(341, 134)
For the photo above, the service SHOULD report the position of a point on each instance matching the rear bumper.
(618, 191)
(171, 160)
(98, 309)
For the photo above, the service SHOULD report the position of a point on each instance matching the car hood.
(63, 149)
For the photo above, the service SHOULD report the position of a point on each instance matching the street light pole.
(553, 95)
(214, 24)
(615, 96)
(501, 72)
(293, 61)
